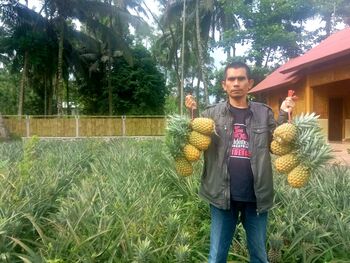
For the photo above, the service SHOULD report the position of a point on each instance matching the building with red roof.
(321, 80)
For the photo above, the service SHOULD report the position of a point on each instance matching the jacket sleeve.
(282, 117)
(271, 123)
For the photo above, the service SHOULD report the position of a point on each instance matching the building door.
(335, 120)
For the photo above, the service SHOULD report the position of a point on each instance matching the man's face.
(237, 83)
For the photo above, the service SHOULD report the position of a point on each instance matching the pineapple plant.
(286, 163)
(275, 252)
(310, 240)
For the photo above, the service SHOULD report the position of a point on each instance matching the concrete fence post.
(76, 125)
(123, 125)
(27, 125)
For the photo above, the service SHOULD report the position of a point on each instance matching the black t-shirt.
(241, 175)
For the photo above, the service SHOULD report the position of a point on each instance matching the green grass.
(121, 201)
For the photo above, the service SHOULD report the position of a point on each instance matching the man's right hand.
(190, 102)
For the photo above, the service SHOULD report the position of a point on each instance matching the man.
(237, 174)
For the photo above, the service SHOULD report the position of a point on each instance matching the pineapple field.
(121, 200)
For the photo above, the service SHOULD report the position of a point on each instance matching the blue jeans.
(223, 226)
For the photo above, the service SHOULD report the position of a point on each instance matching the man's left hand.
(288, 104)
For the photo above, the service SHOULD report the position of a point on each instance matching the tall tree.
(273, 28)
(205, 18)
(24, 31)
(23, 80)
(331, 13)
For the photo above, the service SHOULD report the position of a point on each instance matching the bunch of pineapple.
(301, 149)
(186, 139)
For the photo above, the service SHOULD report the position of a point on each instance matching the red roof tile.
(276, 79)
(336, 45)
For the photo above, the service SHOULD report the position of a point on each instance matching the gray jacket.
(215, 183)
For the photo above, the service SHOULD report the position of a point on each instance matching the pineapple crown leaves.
(176, 134)
(276, 241)
(178, 125)
(306, 120)
(310, 145)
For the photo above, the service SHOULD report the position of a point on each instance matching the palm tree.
(173, 48)
(23, 80)
(120, 23)
(202, 66)
(98, 17)
(203, 18)
(23, 27)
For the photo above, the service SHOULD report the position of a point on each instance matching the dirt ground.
(341, 151)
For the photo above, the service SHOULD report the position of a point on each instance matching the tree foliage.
(56, 61)
(138, 89)
(100, 68)
(8, 92)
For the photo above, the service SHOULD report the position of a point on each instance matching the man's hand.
(288, 105)
(190, 102)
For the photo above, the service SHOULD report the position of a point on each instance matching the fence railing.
(84, 126)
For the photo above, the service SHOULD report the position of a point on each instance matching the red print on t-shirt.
(240, 142)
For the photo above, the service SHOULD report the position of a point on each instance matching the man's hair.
(237, 64)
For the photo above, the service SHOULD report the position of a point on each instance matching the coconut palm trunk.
(23, 85)
(200, 56)
(183, 58)
(59, 83)
(109, 73)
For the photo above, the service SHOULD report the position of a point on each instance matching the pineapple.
(183, 167)
(286, 163)
(191, 153)
(299, 176)
(309, 240)
(240, 242)
(285, 133)
(280, 149)
(203, 125)
(185, 140)
(312, 149)
(199, 140)
(274, 254)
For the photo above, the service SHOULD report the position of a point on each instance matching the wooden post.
(308, 95)
(4, 133)
(27, 125)
(76, 126)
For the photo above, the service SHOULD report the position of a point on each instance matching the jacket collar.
(227, 106)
